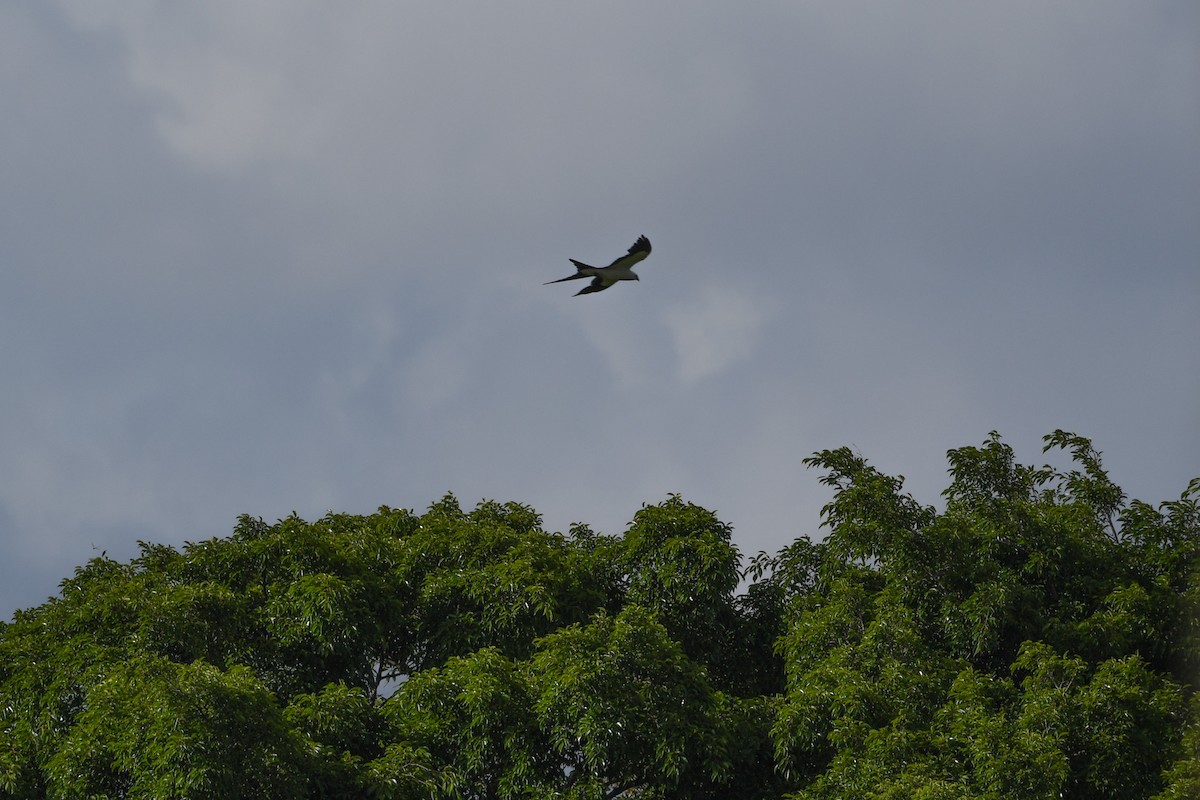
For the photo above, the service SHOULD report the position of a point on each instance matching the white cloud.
(454, 100)
(622, 345)
(231, 79)
(714, 329)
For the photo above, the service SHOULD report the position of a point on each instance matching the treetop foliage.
(1037, 637)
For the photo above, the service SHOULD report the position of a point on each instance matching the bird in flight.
(604, 277)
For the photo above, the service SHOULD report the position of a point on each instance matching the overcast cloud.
(270, 256)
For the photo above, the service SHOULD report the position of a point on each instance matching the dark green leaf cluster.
(1038, 637)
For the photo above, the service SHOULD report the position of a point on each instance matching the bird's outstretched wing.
(598, 284)
(639, 250)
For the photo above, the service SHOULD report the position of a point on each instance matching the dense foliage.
(1038, 637)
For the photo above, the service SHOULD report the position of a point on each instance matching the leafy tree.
(624, 708)
(1038, 624)
(681, 564)
(1037, 636)
(475, 715)
(152, 728)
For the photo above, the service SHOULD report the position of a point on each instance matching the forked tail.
(580, 272)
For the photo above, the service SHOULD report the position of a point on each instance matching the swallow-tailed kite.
(604, 277)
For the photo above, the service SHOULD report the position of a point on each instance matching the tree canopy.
(1035, 636)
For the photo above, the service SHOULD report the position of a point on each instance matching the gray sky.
(270, 256)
